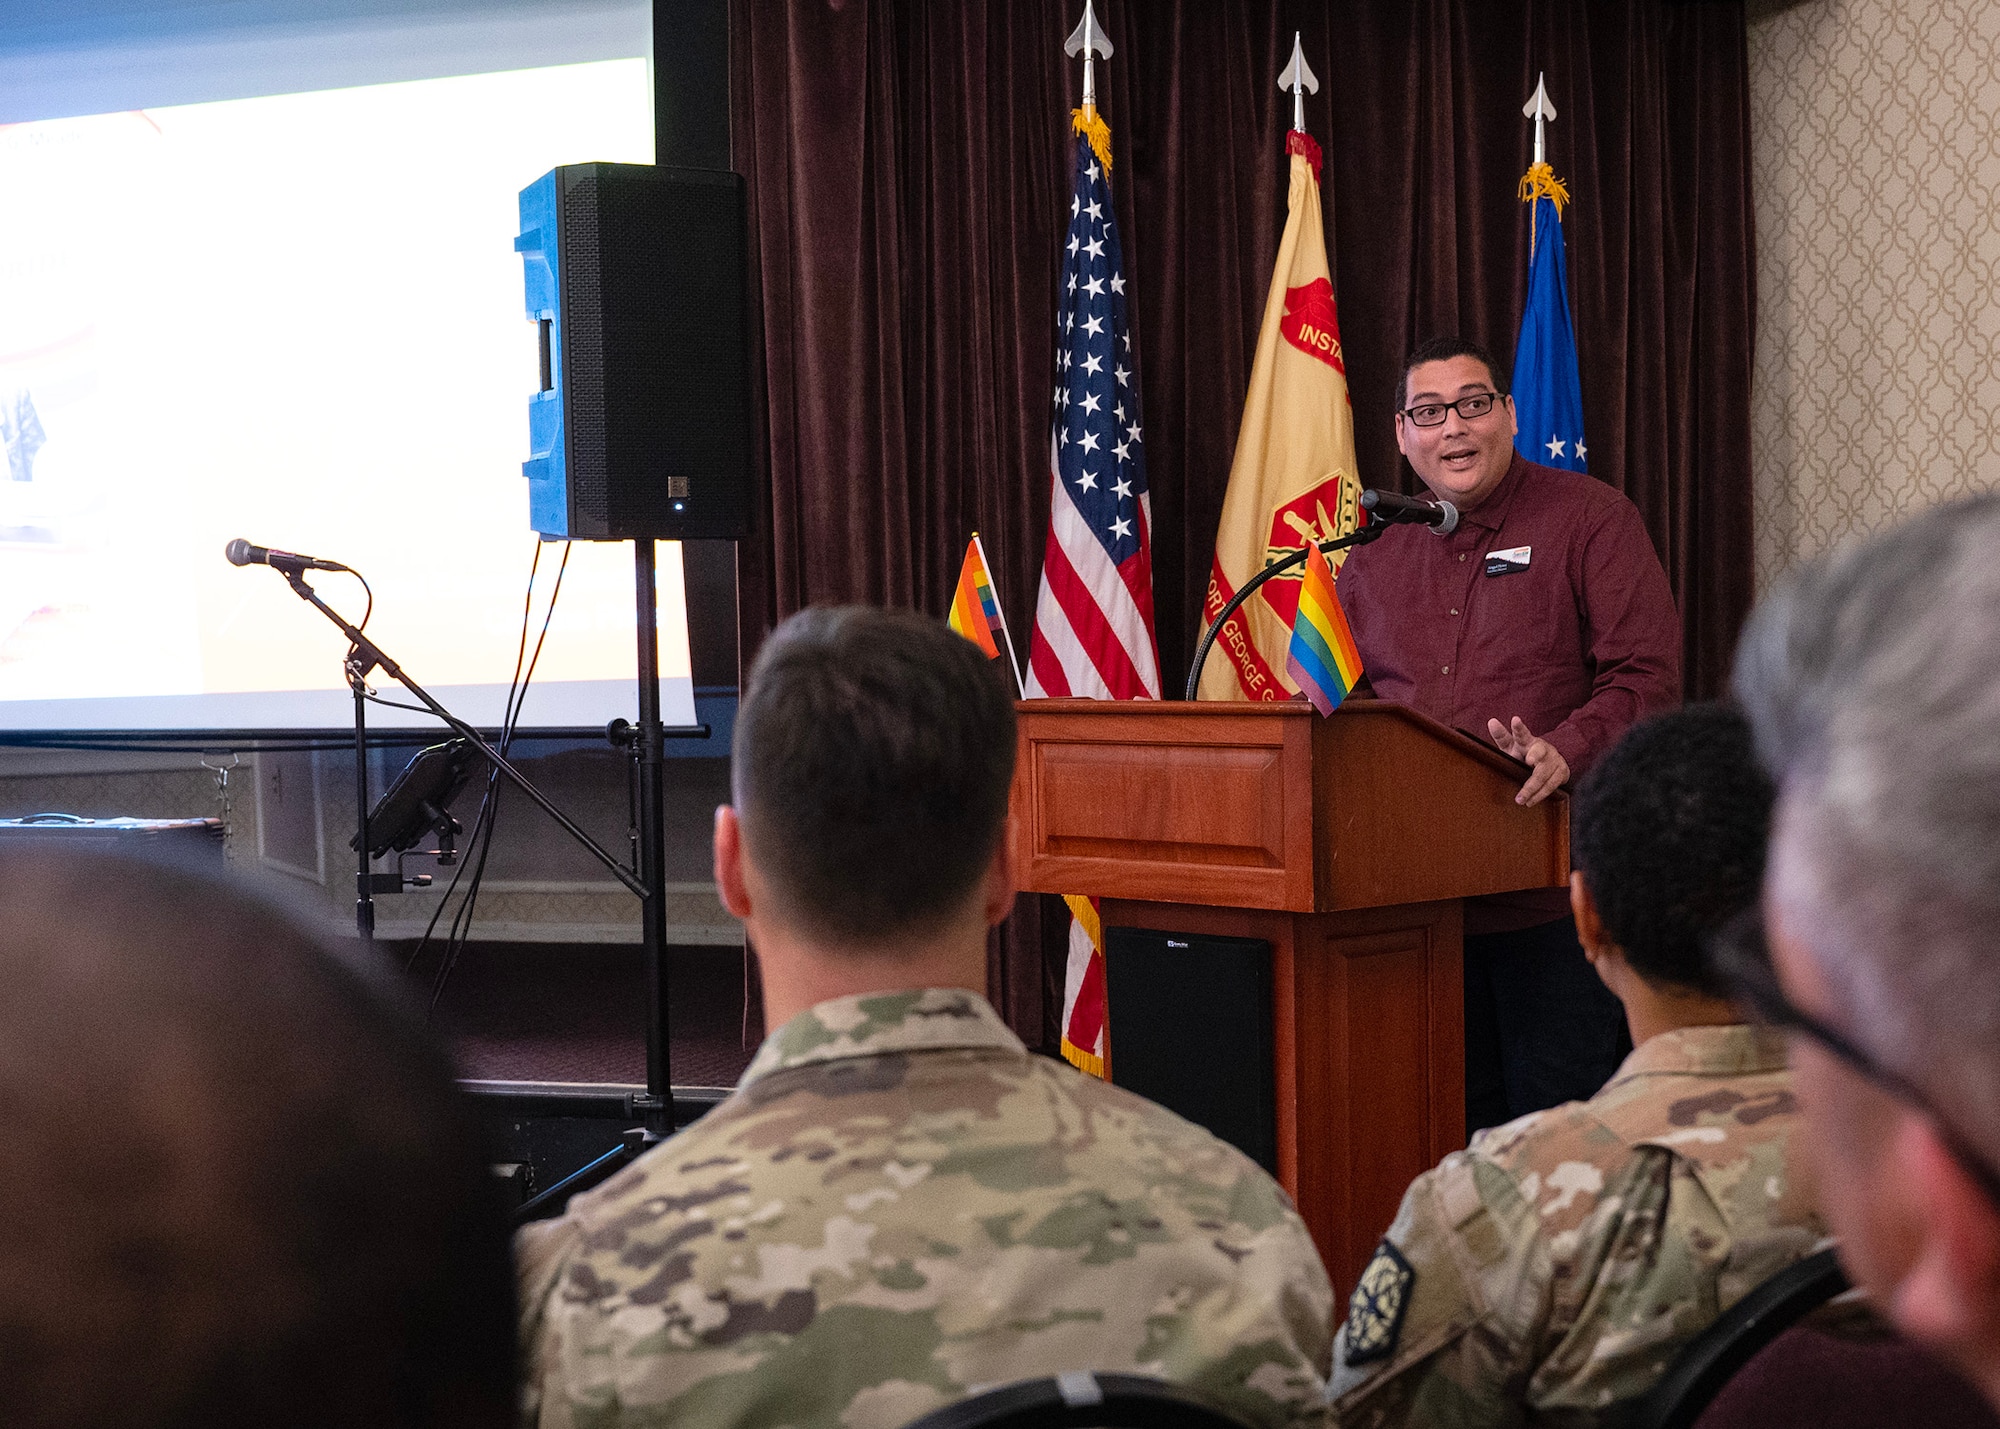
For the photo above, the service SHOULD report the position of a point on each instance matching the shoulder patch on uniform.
(1375, 1309)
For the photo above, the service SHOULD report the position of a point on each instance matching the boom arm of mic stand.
(370, 651)
(1354, 538)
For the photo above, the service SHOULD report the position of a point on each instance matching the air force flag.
(1548, 397)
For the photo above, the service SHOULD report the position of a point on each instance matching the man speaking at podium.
(1542, 623)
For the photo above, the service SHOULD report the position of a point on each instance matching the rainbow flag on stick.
(975, 613)
(1322, 657)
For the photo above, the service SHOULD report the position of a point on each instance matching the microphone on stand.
(1387, 506)
(241, 553)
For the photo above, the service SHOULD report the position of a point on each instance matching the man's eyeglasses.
(1741, 956)
(1431, 414)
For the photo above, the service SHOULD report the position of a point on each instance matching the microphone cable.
(480, 838)
(480, 844)
(527, 610)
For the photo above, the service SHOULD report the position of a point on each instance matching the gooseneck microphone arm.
(367, 654)
(1284, 563)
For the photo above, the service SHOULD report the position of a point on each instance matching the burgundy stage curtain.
(908, 168)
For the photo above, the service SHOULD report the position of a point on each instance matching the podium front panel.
(1182, 806)
(1233, 805)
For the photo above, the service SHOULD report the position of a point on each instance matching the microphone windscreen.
(238, 551)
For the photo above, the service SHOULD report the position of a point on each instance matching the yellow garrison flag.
(1294, 476)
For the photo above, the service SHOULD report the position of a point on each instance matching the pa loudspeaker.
(636, 279)
(1191, 1030)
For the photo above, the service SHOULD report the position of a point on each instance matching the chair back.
(1081, 1399)
(1708, 1361)
(1835, 1381)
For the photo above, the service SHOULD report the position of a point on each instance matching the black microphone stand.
(365, 656)
(656, 1104)
(364, 877)
(1362, 537)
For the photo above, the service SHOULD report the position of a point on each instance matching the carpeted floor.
(543, 1012)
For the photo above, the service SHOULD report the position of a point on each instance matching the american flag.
(1094, 614)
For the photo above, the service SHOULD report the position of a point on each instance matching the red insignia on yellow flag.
(1293, 479)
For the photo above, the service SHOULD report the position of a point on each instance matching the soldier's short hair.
(1444, 349)
(873, 753)
(242, 1187)
(1872, 677)
(1670, 830)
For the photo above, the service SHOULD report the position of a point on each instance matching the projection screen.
(288, 309)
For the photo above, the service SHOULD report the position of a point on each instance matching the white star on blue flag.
(1096, 421)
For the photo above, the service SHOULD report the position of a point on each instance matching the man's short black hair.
(1443, 349)
(242, 1185)
(1669, 830)
(873, 754)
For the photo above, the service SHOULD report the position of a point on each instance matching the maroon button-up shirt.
(1580, 639)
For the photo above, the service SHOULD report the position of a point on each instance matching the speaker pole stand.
(658, 1102)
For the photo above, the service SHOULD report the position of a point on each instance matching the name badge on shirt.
(1506, 563)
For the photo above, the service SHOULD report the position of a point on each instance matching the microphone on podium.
(241, 553)
(1387, 506)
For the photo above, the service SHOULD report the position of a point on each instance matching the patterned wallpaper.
(1875, 133)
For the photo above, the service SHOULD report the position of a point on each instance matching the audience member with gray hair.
(1872, 678)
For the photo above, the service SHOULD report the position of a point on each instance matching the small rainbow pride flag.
(1322, 658)
(976, 614)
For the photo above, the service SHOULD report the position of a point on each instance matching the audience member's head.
(872, 757)
(1667, 836)
(1873, 680)
(240, 1186)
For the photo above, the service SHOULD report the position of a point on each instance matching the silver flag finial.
(1299, 79)
(1087, 39)
(1538, 109)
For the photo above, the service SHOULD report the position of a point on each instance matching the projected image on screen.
(295, 319)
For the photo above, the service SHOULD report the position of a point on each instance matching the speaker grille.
(1191, 1030)
(583, 337)
(656, 352)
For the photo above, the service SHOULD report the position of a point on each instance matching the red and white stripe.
(1093, 633)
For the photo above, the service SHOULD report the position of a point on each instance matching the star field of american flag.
(1094, 616)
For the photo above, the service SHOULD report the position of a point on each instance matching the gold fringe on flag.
(1541, 182)
(1086, 1062)
(1088, 123)
(1082, 1058)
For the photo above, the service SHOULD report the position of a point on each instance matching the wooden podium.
(1346, 844)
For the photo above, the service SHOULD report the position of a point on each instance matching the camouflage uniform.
(898, 1204)
(1557, 1265)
